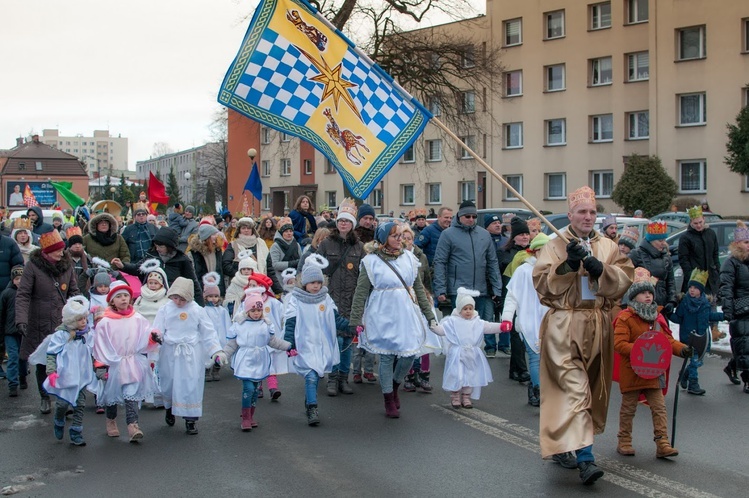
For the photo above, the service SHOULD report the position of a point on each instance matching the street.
(432, 450)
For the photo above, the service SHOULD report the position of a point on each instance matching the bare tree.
(214, 163)
(161, 149)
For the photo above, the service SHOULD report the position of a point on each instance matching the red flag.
(157, 191)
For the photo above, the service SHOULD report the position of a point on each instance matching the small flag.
(156, 192)
(254, 185)
(64, 189)
(28, 197)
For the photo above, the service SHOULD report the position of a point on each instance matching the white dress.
(465, 365)
(189, 341)
(273, 310)
(315, 335)
(252, 360)
(75, 369)
(219, 317)
(393, 323)
(523, 299)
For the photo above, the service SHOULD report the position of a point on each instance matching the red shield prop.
(651, 354)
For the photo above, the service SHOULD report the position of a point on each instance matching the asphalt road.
(432, 450)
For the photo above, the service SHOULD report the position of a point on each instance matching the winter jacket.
(299, 220)
(10, 255)
(700, 250)
(694, 314)
(8, 311)
(139, 238)
(734, 284)
(660, 266)
(504, 258)
(428, 239)
(184, 228)
(466, 257)
(200, 255)
(44, 290)
(178, 265)
(364, 234)
(230, 266)
(342, 275)
(628, 327)
(425, 274)
(105, 246)
(40, 226)
(284, 254)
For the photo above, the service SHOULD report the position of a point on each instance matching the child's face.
(81, 323)
(255, 314)
(102, 289)
(178, 300)
(121, 301)
(467, 311)
(645, 297)
(213, 299)
(153, 284)
(246, 271)
(694, 291)
(17, 281)
(313, 287)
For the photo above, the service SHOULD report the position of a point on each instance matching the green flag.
(63, 188)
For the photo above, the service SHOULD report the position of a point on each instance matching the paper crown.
(657, 228)
(51, 242)
(583, 195)
(419, 213)
(741, 232)
(698, 277)
(73, 231)
(534, 224)
(22, 224)
(285, 224)
(642, 275)
(694, 212)
(348, 206)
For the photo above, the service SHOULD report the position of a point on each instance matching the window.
(375, 198)
(746, 183)
(265, 165)
(637, 11)
(285, 167)
(745, 96)
(467, 191)
(469, 57)
(468, 102)
(692, 176)
(638, 124)
(556, 187)
(516, 182)
(408, 156)
(407, 194)
(307, 167)
(556, 132)
(745, 35)
(435, 106)
(513, 135)
(434, 193)
(638, 66)
(602, 128)
(329, 169)
(470, 141)
(600, 15)
(554, 24)
(330, 197)
(692, 109)
(38, 165)
(602, 182)
(513, 32)
(21, 166)
(434, 150)
(285, 137)
(555, 78)
(513, 83)
(265, 135)
(266, 202)
(691, 43)
(600, 71)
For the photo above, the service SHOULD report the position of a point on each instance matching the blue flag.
(296, 73)
(254, 185)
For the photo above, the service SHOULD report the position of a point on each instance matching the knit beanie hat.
(365, 210)
(465, 297)
(118, 287)
(75, 308)
(285, 224)
(190, 209)
(313, 267)
(383, 231)
(205, 231)
(518, 227)
(488, 220)
(641, 283)
(211, 281)
(698, 279)
(741, 232)
(165, 236)
(182, 287)
(102, 278)
(608, 221)
(245, 222)
(629, 237)
(159, 275)
(467, 207)
(51, 242)
(16, 271)
(74, 236)
(246, 260)
(152, 269)
(658, 230)
(253, 298)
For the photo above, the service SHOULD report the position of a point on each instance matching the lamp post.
(112, 190)
(188, 193)
(251, 153)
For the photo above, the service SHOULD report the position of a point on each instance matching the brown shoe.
(112, 430)
(134, 432)
(625, 447)
(664, 448)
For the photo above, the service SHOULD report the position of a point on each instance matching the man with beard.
(366, 229)
(609, 228)
(139, 235)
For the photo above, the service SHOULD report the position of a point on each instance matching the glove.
(219, 358)
(505, 326)
(156, 337)
(432, 324)
(668, 309)
(102, 374)
(497, 300)
(22, 328)
(291, 352)
(687, 352)
(593, 267)
(575, 254)
(53, 379)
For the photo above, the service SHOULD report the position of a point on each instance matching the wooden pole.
(509, 187)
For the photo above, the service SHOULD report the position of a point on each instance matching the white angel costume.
(75, 369)
(523, 299)
(252, 339)
(315, 336)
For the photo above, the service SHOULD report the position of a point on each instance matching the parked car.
(524, 214)
(559, 220)
(47, 213)
(723, 230)
(683, 217)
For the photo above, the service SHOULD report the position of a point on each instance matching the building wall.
(187, 162)
(101, 152)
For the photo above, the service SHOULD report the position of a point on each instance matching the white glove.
(220, 358)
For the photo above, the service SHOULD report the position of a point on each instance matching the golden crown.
(22, 224)
(49, 239)
(694, 212)
(73, 231)
(348, 206)
(699, 276)
(657, 228)
(583, 195)
(642, 275)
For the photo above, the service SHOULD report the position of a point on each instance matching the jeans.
(365, 359)
(694, 364)
(388, 374)
(585, 455)
(249, 393)
(61, 407)
(345, 347)
(421, 364)
(310, 388)
(17, 368)
(489, 313)
(131, 412)
(534, 360)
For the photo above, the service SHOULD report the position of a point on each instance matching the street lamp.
(188, 193)
(112, 189)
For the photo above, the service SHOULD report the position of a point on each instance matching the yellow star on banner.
(335, 86)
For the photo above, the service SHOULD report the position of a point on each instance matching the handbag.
(741, 306)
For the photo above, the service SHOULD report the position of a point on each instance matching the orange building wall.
(306, 151)
(243, 134)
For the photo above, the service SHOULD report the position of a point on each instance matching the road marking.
(621, 474)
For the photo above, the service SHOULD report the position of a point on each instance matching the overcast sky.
(148, 70)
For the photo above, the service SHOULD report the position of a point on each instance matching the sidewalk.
(721, 347)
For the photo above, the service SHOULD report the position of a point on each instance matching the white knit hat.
(183, 288)
(465, 296)
(313, 267)
(75, 308)
(246, 260)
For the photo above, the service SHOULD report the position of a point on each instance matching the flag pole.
(496, 175)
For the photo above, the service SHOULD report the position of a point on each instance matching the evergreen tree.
(123, 193)
(172, 188)
(210, 198)
(738, 144)
(105, 192)
(645, 185)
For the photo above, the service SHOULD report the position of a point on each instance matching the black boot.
(169, 418)
(589, 472)
(745, 378)
(533, 398)
(408, 384)
(730, 370)
(313, 417)
(191, 427)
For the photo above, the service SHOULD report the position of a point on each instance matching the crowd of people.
(150, 311)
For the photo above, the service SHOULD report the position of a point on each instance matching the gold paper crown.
(699, 276)
(583, 195)
(420, 212)
(657, 228)
(694, 212)
(49, 241)
(348, 206)
(73, 231)
(534, 224)
(22, 224)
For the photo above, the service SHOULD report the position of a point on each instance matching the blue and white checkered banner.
(296, 73)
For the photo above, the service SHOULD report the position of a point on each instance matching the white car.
(48, 214)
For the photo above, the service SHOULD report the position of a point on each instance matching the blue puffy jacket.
(427, 240)
(10, 256)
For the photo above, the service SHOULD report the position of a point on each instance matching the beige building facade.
(103, 154)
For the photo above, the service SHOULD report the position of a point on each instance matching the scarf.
(153, 296)
(244, 242)
(648, 312)
(393, 253)
(105, 239)
(26, 248)
(305, 297)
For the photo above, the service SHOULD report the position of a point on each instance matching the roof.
(23, 159)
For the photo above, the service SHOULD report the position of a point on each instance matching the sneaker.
(370, 377)
(23, 384)
(44, 406)
(357, 379)
(589, 472)
(191, 427)
(59, 427)
(274, 394)
(12, 392)
(504, 350)
(169, 418)
(99, 410)
(76, 438)
(490, 354)
(565, 460)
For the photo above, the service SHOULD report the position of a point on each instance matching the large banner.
(43, 192)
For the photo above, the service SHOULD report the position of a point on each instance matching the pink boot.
(246, 420)
(252, 417)
(390, 410)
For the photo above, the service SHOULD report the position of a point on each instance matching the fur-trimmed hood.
(195, 245)
(113, 225)
(55, 269)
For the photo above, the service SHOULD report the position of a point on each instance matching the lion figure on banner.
(346, 139)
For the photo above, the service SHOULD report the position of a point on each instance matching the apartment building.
(101, 152)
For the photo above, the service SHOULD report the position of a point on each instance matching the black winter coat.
(178, 266)
(8, 311)
(660, 266)
(342, 275)
(734, 285)
(231, 267)
(201, 268)
(700, 250)
(10, 256)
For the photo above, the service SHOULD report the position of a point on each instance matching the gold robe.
(577, 343)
